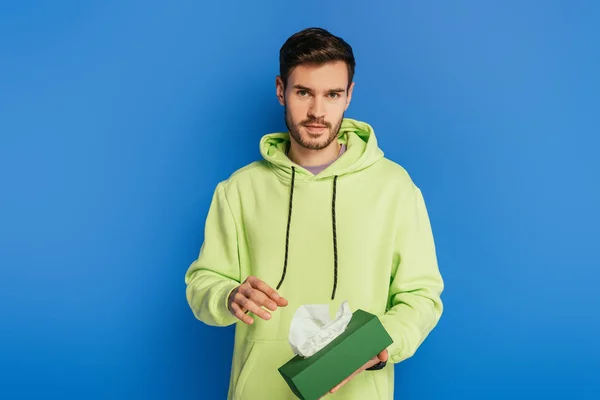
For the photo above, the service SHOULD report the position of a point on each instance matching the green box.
(312, 377)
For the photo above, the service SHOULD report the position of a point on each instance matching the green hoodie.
(357, 231)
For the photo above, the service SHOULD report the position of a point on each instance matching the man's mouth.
(315, 129)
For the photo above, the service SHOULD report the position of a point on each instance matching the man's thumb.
(383, 356)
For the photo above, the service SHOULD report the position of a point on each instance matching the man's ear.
(349, 97)
(280, 90)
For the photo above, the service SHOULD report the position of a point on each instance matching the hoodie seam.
(286, 181)
(235, 223)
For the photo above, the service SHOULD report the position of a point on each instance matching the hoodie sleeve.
(216, 272)
(414, 303)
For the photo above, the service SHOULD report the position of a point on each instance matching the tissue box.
(312, 377)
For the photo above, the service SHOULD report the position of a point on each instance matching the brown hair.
(314, 46)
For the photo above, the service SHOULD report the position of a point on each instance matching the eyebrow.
(336, 90)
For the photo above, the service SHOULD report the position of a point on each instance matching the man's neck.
(312, 158)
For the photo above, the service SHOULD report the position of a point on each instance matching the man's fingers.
(348, 379)
(342, 383)
(282, 302)
(240, 314)
(383, 356)
(268, 290)
(245, 299)
(335, 389)
(250, 305)
(261, 299)
(373, 361)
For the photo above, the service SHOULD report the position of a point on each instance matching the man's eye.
(334, 95)
(302, 93)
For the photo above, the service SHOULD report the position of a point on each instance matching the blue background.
(118, 118)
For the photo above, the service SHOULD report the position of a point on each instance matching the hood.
(362, 151)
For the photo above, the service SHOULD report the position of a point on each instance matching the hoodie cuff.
(376, 367)
(226, 316)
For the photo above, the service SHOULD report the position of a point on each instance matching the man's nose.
(317, 109)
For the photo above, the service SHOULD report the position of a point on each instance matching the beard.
(313, 144)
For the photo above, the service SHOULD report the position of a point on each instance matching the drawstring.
(335, 253)
(287, 234)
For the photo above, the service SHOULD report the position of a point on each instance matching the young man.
(323, 218)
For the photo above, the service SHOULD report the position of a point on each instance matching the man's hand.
(383, 356)
(252, 295)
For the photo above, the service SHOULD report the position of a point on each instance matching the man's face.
(315, 100)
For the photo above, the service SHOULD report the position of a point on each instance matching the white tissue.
(312, 328)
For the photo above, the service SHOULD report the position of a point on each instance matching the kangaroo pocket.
(259, 377)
